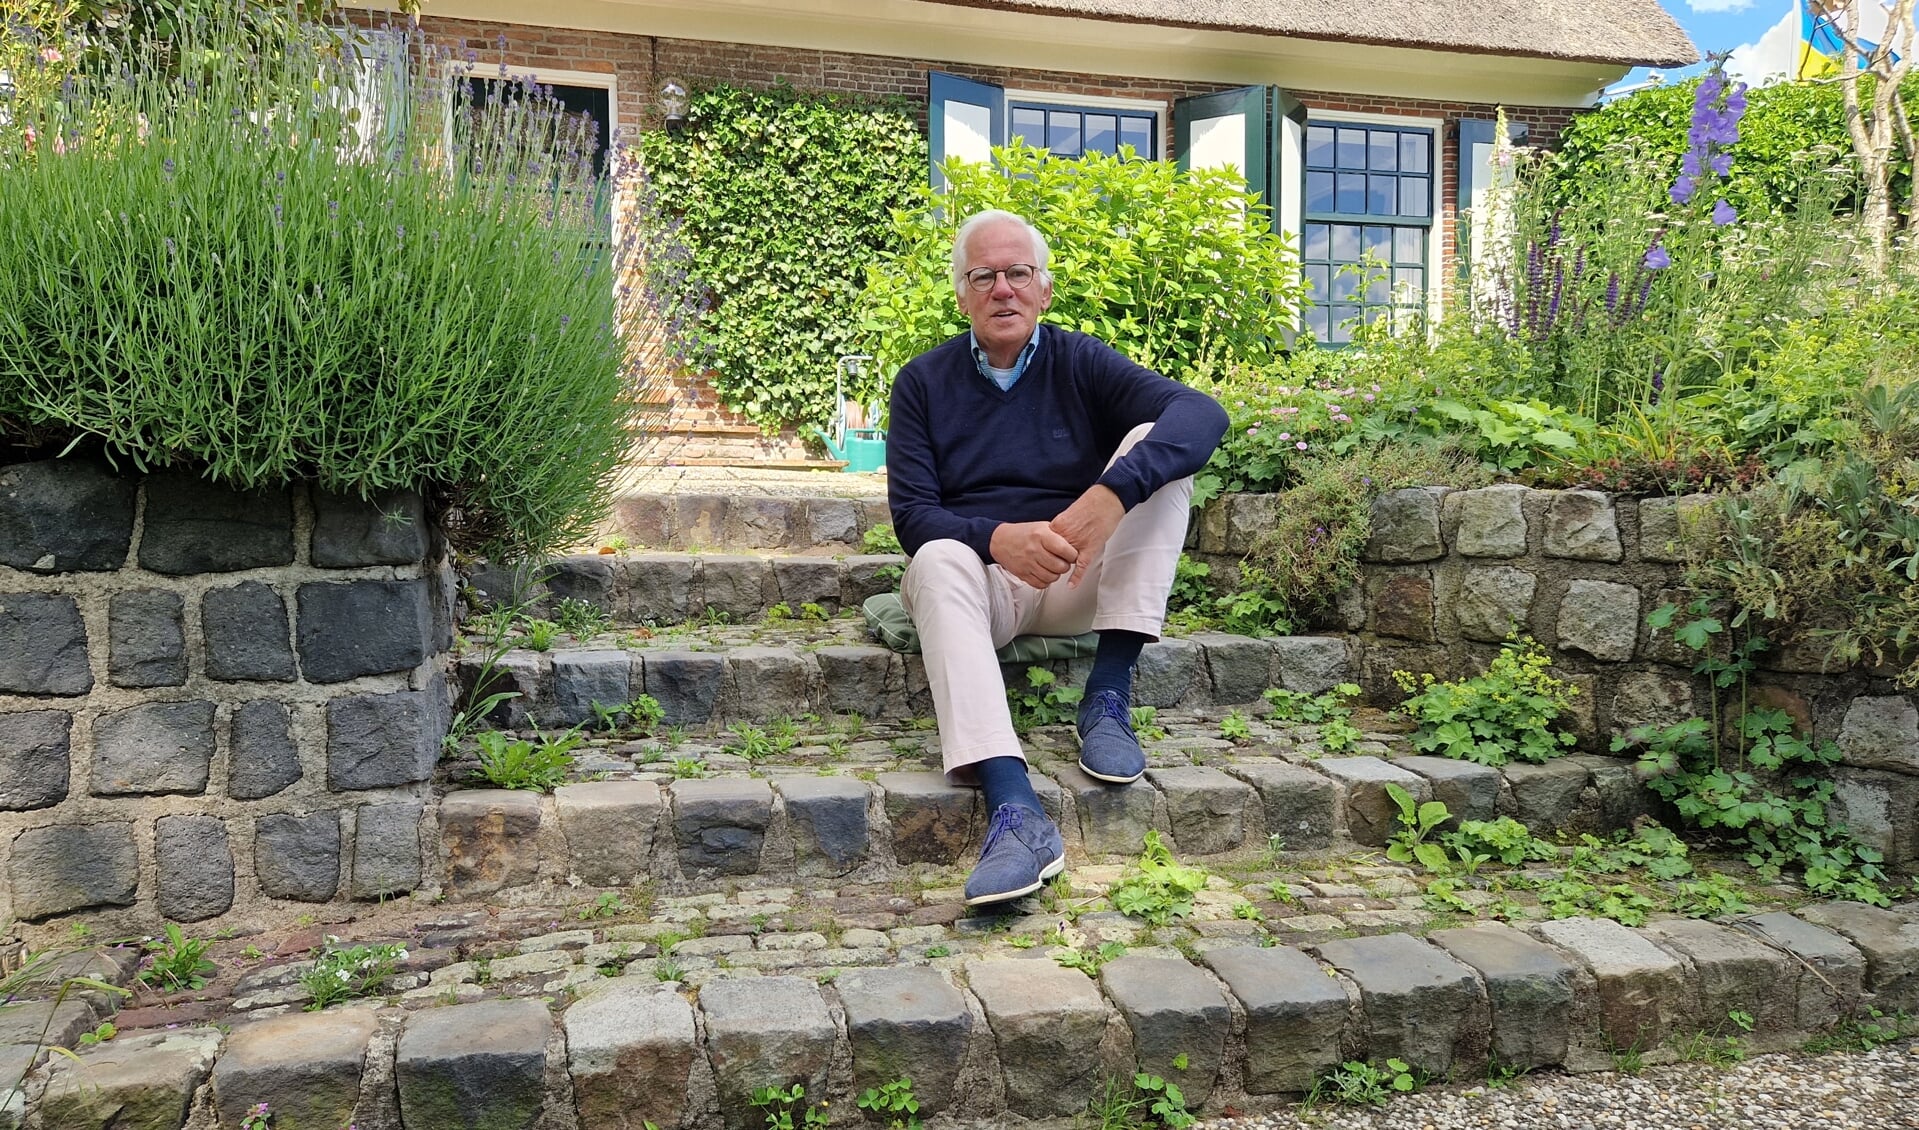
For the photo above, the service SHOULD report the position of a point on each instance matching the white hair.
(979, 220)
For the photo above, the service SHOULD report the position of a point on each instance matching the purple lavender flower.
(1657, 259)
(1612, 294)
(1723, 214)
(1658, 385)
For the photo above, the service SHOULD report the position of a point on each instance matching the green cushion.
(887, 618)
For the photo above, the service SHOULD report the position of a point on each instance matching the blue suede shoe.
(1108, 751)
(1022, 851)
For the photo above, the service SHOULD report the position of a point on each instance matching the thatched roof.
(1633, 32)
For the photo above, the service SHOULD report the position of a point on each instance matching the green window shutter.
(964, 120)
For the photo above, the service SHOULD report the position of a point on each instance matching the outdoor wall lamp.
(673, 104)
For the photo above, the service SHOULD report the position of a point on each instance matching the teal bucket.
(865, 449)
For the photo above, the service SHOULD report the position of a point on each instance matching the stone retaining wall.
(211, 699)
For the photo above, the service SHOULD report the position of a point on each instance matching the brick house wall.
(639, 63)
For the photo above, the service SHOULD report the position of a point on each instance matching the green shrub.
(343, 973)
(1156, 887)
(1176, 270)
(213, 268)
(515, 763)
(1505, 714)
(777, 200)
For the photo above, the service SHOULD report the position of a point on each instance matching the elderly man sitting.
(1040, 481)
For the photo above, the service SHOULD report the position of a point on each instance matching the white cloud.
(1773, 57)
(1719, 5)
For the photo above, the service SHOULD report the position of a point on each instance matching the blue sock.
(1003, 780)
(1113, 664)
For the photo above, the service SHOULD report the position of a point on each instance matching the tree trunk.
(1873, 131)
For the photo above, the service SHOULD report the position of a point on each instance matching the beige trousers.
(965, 610)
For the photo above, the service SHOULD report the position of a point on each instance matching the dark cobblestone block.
(1405, 526)
(906, 1023)
(1206, 808)
(297, 857)
(1169, 673)
(160, 747)
(610, 827)
(768, 683)
(1113, 819)
(1241, 667)
(1529, 987)
(827, 820)
(870, 574)
(1545, 797)
(799, 581)
(1311, 664)
(245, 628)
(734, 585)
(1468, 790)
(720, 826)
(263, 756)
(388, 529)
(478, 1066)
(1048, 1024)
(1296, 1016)
(386, 850)
(763, 523)
(583, 678)
(1302, 807)
(661, 588)
(867, 680)
(699, 521)
(306, 1066)
(363, 628)
(65, 515)
(1402, 605)
(1420, 1004)
(1371, 815)
(193, 526)
(765, 1028)
(591, 577)
(43, 645)
(68, 867)
(196, 867)
(932, 820)
(376, 741)
(34, 750)
(1177, 1015)
(685, 683)
(147, 642)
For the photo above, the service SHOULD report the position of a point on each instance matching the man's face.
(1002, 317)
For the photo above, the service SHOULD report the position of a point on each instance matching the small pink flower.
(1301, 445)
(1284, 436)
(1253, 431)
(51, 54)
(1369, 398)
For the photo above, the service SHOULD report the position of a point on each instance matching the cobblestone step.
(741, 521)
(676, 1013)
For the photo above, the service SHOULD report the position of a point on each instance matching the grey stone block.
(1828, 972)
(194, 526)
(1371, 815)
(1620, 796)
(376, 741)
(1599, 618)
(386, 849)
(1644, 698)
(360, 628)
(1170, 672)
(1241, 668)
(1530, 988)
(1494, 602)
(388, 529)
(490, 838)
(661, 588)
(734, 585)
(757, 522)
(1311, 664)
(799, 581)
(610, 826)
(932, 820)
(1047, 1024)
(68, 867)
(906, 1023)
(47, 1023)
(264, 758)
(1661, 524)
(1175, 1012)
(1250, 522)
(827, 822)
(1881, 732)
(859, 680)
(1420, 1005)
(1296, 1016)
(160, 747)
(1732, 972)
(34, 758)
(1491, 521)
(43, 645)
(147, 643)
(583, 678)
(134, 1081)
(1405, 526)
(1113, 819)
(195, 864)
(1888, 941)
(768, 683)
(1206, 809)
(1880, 809)
(589, 577)
(719, 826)
(1644, 995)
(870, 574)
(1403, 605)
(518, 673)
(630, 1049)
(686, 684)
(297, 857)
(65, 515)
(479, 1066)
(699, 521)
(1582, 525)
(1469, 791)
(1545, 796)
(1302, 807)
(765, 1032)
(306, 1066)
(832, 521)
(245, 629)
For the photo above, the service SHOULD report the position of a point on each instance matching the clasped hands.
(1040, 553)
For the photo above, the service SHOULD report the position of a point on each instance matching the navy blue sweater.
(962, 456)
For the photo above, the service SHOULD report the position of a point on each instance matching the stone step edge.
(991, 1037)
(709, 521)
(679, 588)
(507, 845)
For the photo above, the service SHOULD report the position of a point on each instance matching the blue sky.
(1722, 25)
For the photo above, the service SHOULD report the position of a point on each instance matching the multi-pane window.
(1072, 131)
(1368, 210)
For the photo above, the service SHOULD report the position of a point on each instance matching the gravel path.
(1875, 1090)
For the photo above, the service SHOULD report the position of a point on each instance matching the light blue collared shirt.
(1004, 378)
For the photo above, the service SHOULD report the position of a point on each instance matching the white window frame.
(1162, 116)
(1435, 232)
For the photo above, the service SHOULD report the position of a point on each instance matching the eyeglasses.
(1019, 276)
